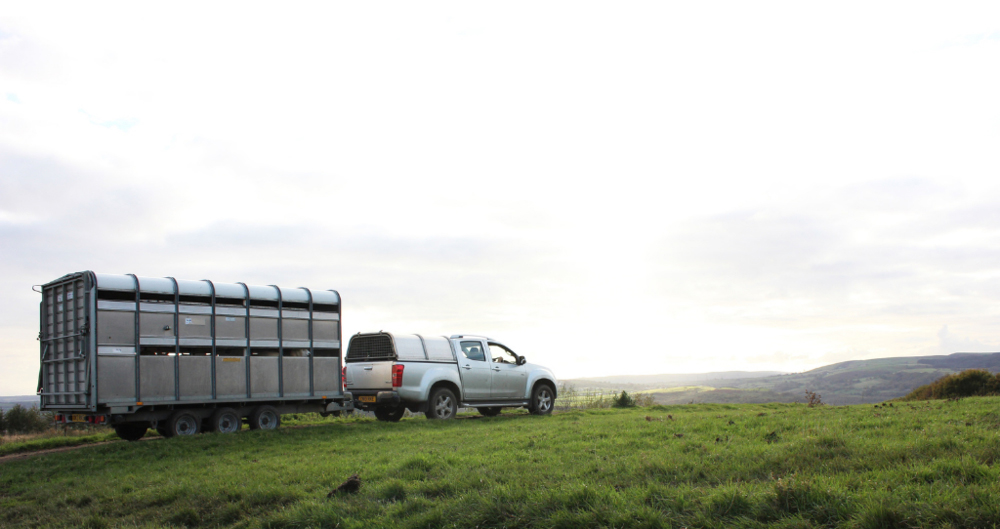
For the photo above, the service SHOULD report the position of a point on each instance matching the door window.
(502, 355)
(473, 351)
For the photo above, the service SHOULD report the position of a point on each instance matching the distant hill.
(851, 382)
(27, 401)
(640, 382)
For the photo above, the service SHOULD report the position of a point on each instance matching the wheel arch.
(548, 382)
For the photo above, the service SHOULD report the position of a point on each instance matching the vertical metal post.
(92, 336)
(312, 387)
(76, 345)
(212, 330)
(246, 328)
(42, 375)
(340, 340)
(61, 345)
(281, 350)
(138, 395)
(177, 339)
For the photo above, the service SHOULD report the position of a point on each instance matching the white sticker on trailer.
(69, 296)
(229, 318)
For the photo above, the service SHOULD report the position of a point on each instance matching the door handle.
(496, 368)
(466, 367)
(369, 368)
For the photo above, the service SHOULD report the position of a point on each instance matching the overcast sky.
(607, 187)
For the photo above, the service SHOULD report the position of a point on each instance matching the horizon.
(605, 189)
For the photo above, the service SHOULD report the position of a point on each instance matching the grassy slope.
(782, 465)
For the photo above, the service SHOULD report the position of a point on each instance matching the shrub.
(25, 420)
(623, 401)
(968, 383)
(813, 399)
(2, 423)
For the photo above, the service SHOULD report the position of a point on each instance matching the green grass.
(712, 465)
(53, 441)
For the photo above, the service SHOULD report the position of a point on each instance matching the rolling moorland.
(920, 464)
(852, 382)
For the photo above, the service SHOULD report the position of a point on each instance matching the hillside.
(27, 401)
(851, 382)
(713, 466)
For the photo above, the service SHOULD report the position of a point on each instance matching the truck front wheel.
(443, 404)
(542, 400)
(131, 431)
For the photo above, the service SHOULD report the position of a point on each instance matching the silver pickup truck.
(390, 373)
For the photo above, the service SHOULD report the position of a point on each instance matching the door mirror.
(521, 361)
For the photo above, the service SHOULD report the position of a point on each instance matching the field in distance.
(922, 464)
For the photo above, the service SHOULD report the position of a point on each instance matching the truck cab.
(389, 373)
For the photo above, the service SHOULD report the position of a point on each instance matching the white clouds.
(743, 178)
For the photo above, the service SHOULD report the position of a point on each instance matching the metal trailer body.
(123, 349)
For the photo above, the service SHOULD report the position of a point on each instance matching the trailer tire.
(390, 414)
(182, 423)
(131, 431)
(492, 411)
(224, 420)
(543, 399)
(442, 405)
(264, 418)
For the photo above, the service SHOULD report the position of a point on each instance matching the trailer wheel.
(492, 411)
(443, 404)
(131, 431)
(542, 400)
(224, 420)
(264, 418)
(390, 414)
(182, 423)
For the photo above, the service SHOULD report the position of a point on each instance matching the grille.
(372, 347)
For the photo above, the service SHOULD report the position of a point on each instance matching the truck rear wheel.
(443, 404)
(390, 414)
(131, 431)
(182, 423)
(491, 411)
(224, 420)
(542, 400)
(264, 418)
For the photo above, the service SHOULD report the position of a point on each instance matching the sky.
(606, 187)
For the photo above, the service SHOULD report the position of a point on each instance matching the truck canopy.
(386, 346)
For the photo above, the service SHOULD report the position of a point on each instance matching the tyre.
(443, 404)
(390, 414)
(182, 423)
(131, 431)
(264, 418)
(224, 420)
(490, 412)
(542, 400)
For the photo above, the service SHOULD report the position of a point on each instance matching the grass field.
(928, 464)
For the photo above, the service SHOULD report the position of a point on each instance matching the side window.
(501, 354)
(473, 351)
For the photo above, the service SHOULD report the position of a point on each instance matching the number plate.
(76, 417)
(367, 398)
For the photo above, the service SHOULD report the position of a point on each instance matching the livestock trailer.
(184, 356)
